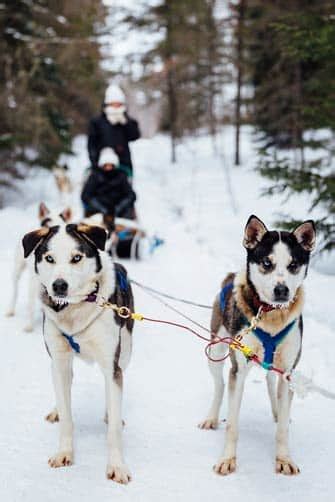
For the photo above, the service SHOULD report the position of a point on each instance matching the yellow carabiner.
(247, 351)
(137, 317)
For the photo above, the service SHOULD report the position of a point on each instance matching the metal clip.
(124, 312)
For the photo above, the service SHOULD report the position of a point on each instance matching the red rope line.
(211, 342)
(231, 342)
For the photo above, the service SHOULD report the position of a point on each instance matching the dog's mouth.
(280, 305)
(60, 299)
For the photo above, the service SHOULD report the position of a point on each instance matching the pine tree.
(190, 54)
(52, 79)
(291, 49)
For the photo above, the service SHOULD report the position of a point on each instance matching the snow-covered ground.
(199, 206)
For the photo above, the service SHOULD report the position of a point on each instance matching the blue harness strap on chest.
(223, 295)
(74, 345)
(270, 343)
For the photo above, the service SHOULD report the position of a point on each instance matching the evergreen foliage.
(189, 52)
(291, 65)
(51, 79)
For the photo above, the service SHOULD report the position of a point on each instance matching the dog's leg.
(116, 468)
(18, 268)
(62, 379)
(237, 375)
(271, 383)
(217, 351)
(284, 464)
(32, 295)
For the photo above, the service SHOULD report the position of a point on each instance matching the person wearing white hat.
(107, 190)
(113, 128)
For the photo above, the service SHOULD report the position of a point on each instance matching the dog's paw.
(52, 417)
(225, 466)
(118, 473)
(61, 459)
(10, 313)
(28, 328)
(286, 466)
(209, 423)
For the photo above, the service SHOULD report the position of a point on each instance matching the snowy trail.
(167, 386)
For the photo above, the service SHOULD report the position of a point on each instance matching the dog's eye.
(49, 259)
(293, 266)
(76, 258)
(267, 263)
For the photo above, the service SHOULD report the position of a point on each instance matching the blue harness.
(123, 284)
(269, 342)
(74, 345)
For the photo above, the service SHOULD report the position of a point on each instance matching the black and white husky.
(74, 272)
(277, 264)
(46, 218)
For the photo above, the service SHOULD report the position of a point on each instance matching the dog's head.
(67, 259)
(277, 262)
(51, 218)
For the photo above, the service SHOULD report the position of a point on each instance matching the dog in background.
(63, 183)
(271, 284)
(46, 218)
(73, 272)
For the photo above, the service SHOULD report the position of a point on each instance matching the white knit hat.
(108, 156)
(114, 94)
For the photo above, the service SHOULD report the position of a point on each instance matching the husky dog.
(46, 218)
(277, 264)
(74, 273)
(63, 183)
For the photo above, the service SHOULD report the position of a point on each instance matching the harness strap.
(270, 343)
(223, 295)
(74, 345)
(122, 279)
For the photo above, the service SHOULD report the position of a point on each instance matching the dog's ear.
(94, 233)
(306, 235)
(254, 232)
(66, 215)
(43, 211)
(31, 240)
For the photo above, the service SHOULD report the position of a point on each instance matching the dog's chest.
(75, 319)
(97, 342)
(285, 353)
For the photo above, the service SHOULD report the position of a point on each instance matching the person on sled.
(108, 190)
(113, 128)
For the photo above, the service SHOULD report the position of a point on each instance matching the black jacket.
(102, 133)
(108, 193)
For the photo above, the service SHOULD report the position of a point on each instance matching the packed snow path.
(167, 386)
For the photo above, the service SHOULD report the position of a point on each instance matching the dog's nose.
(60, 287)
(281, 293)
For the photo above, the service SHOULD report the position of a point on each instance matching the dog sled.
(127, 237)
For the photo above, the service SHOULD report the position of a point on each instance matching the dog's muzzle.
(60, 287)
(281, 293)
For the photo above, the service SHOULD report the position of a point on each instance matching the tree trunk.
(239, 65)
(172, 112)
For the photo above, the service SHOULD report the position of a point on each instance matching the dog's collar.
(265, 307)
